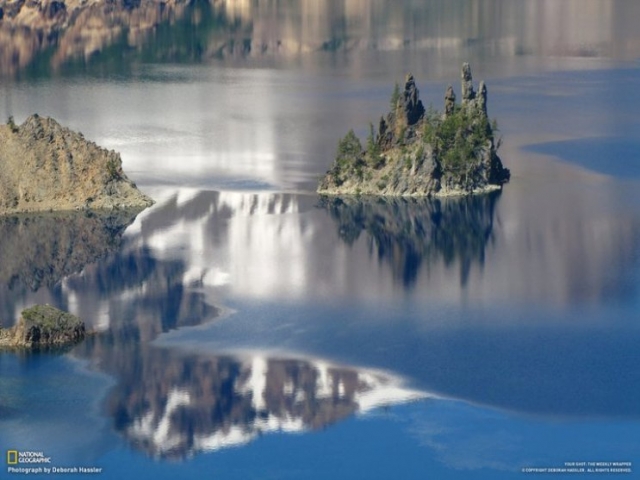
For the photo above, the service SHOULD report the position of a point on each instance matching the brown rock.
(44, 166)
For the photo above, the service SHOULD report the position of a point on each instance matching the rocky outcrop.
(419, 153)
(44, 167)
(43, 326)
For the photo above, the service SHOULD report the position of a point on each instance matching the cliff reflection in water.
(40, 37)
(39, 250)
(409, 233)
(173, 405)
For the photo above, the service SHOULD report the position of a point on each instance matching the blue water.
(433, 439)
(615, 156)
(513, 363)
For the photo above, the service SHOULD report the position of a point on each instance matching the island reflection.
(408, 233)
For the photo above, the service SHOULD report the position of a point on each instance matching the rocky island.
(419, 152)
(43, 326)
(47, 167)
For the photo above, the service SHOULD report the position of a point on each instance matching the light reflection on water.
(400, 273)
(491, 250)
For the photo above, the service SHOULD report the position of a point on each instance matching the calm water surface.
(250, 329)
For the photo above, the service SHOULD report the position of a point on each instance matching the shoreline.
(445, 193)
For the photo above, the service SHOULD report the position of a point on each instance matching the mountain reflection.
(113, 35)
(408, 233)
(174, 405)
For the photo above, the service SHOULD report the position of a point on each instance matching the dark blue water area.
(588, 103)
(569, 364)
(593, 111)
(615, 156)
(58, 411)
(425, 439)
(434, 438)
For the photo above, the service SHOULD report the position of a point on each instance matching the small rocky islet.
(422, 153)
(43, 326)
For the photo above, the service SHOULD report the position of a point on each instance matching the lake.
(248, 328)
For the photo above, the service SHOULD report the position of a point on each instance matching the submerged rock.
(43, 326)
(420, 153)
(45, 166)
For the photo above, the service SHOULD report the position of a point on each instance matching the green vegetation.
(424, 152)
(12, 125)
(457, 138)
(113, 169)
(373, 150)
(349, 158)
(395, 97)
(50, 320)
(382, 183)
(44, 326)
(349, 148)
(401, 135)
(48, 317)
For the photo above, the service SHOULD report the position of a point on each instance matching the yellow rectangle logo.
(12, 457)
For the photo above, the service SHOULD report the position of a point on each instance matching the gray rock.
(449, 101)
(419, 155)
(467, 84)
(481, 100)
(413, 109)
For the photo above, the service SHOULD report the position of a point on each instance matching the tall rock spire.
(412, 105)
(467, 84)
(449, 101)
(481, 100)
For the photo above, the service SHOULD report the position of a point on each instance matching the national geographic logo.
(37, 463)
(16, 457)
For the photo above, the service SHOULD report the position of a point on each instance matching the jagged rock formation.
(419, 153)
(43, 326)
(44, 166)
